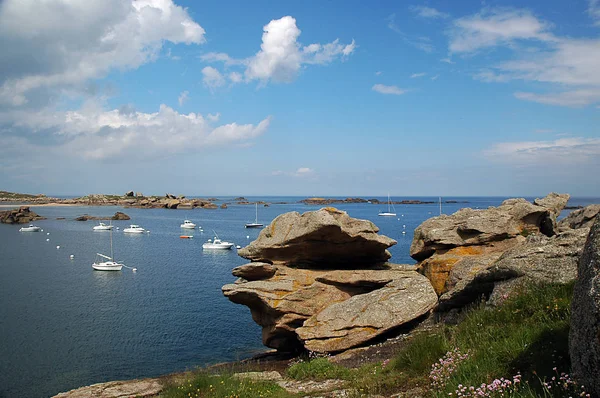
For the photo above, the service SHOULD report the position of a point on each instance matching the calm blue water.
(63, 325)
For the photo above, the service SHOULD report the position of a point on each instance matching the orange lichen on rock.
(437, 271)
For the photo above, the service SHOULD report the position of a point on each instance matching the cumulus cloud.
(62, 44)
(96, 134)
(383, 89)
(303, 172)
(183, 97)
(428, 12)
(281, 56)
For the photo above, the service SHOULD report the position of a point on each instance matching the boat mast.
(389, 202)
(256, 218)
(440, 205)
(112, 256)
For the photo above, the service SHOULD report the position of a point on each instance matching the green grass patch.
(318, 369)
(202, 384)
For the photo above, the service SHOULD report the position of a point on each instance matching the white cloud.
(96, 134)
(493, 27)
(213, 118)
(594, 10)
(212, 78)
(574, 150)
(281, 56)
(428, 12)
(447, 60)
(415, 75)
(236, 77)
(423, 43)
(183, 97)
(304, 172)
(62, 44)
(574, 98)
(383, 89)
(378, 73)
(435, 77)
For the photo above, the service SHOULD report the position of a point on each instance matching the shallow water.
(64, 325)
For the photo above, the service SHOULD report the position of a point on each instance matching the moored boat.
(30, 228)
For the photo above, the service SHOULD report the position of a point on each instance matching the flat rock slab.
(327, 238)
(116, 389)
(365, 316)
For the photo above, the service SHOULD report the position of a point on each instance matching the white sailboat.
(389, 212)
(105, 263)
(255, 224)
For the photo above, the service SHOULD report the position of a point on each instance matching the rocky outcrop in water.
(22, 215)
(466, 254)
(584, 334)
(320, 281)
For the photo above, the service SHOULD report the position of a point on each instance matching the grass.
(202, 384)
(527, 336)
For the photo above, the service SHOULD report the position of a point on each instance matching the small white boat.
(102, 227)
(217, 243)
(255, 224)
(108, 265)
(134, 229)
(105, 263)
(188, 224)
(389, 212)
(30, 228)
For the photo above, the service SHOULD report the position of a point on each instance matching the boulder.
(224, 206)
(405, 297)
(84, 217)
(254, 271)
(139, 195)
(327, 238)
(581, 218)
(22, 215)
(129, 193)
(584, 334)
(172, 203)
(170, 196)
(455, 252)
(120, 216)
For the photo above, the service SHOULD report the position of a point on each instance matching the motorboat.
(217, 243)
(255, 224)
(107, 265)
(134, 229)
(102, 227)
(30, 228)
(188, 224)
(389, 212)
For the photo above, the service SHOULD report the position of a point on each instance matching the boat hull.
(133, 231)
(219, 246)
(386, 214)
(107, 266)
(30, 229)
(254, 225)
(101, 228)
(188, 226)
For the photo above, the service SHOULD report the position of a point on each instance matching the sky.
(307, 98)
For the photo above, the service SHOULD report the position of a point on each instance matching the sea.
(64, 325)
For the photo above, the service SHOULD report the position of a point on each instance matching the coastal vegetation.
(518, 348)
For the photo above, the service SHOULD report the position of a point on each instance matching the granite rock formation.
(320, 281)
(467, 253)
(22, 215)
(580, 218)
(584, 334)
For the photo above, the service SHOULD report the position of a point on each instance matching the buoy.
(58, 247)
(403, 232)
(47, 233)
(71, 257)
(42, 230)
(47, 240)
(403, 226)
(238, 247)
(134, 269)
(117, 228)
(247, 236)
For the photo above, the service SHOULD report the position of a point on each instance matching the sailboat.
(105, 263)
(255, 224)
(389, 212)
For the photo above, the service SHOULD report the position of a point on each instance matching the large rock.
(538, 259)
(305, 266)
(453, 250)
(580, 218)
(120, 216)
(584, 335)
(327, 238)
(406, 296)
(22, 215)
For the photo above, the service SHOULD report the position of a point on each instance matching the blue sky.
(300, 98)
